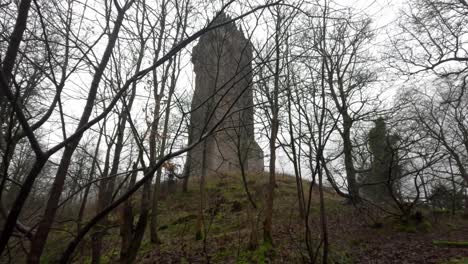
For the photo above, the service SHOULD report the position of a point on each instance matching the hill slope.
(229, 220)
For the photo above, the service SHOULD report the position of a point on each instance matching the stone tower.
(222, 62)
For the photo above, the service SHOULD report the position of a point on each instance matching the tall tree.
(40, 237)
(348, 75)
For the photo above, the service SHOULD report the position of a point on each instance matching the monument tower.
(223, 95)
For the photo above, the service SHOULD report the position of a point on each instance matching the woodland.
(359, 108)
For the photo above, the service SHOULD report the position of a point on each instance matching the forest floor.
(353, 235)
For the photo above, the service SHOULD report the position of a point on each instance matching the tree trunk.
(157, 186)
(153, 156)
(323, 217)
(253, 237)
(40, 237)
(154, 209)
(267, 223)
(97, 235)
(186, 171)
(466, 200)
(7, 68)
(271, 186)
(297, 174)
(126, 227)
(15, 40)
(466, 206)
(140, 227)
(15, 211)
(201, 208)
(348, 159)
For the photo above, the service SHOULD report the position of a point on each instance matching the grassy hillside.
(228, 218)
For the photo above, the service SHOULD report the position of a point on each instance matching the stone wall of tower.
(223, 94)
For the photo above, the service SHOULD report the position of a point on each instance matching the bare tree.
(431, 37)
(441, 114)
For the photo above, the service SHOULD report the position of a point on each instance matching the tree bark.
(348, 159)
(186, 171)
(126, 227)
(267, 223)
(15, 40)
(201, 217)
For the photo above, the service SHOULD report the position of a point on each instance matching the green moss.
(178, 213)
(425, 226)
(440, 211)
(356, 242)
(412, 226)
(407, 228)
(340, 257)
(457, 261)
(450, 243)
(264, 252)
(145, 247)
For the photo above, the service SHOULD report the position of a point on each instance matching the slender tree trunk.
(15, 40)
(300, 193)
(271, 186)
(15, 210)
(140, 227)
(201, 217)
(186, 171)
(126, 227)
(253, 236)
(40, 237)
(157, 96)
(267, 224)
(7, 69)
(6, 159)
(91, 176)
(466, 200)
(348, 159)
(97, 236)
(454, 188)
(154, 209)
(323, 217)
(108, 188)
(466, 205)
(83, 204)
(79, 220)
(153, 156)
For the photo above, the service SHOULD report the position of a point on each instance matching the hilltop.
(357, 234)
